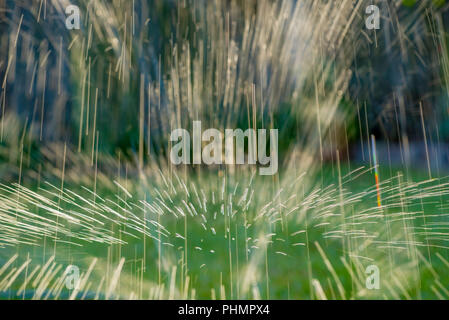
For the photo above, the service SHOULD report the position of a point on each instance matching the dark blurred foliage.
(405, 66)
(394, 70)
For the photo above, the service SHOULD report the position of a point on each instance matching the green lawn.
(293, 236)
